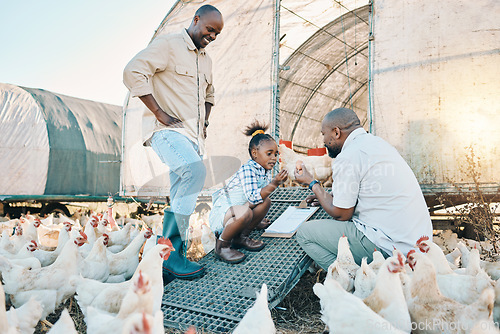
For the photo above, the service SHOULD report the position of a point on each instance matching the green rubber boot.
(177, 265)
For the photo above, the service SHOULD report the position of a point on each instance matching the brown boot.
(225, 253)
(243, 241)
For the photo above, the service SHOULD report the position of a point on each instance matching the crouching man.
(376, 200)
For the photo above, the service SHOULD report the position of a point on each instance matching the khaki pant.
(320, 238)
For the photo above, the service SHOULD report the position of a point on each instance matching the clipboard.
(289, 221)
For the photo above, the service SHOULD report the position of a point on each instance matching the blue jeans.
(187, 171)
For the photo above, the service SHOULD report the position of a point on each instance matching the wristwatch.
(207, 123)
(311, 185)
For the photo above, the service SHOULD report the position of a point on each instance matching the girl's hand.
(280, 178)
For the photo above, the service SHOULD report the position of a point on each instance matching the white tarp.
(24, 143)
(436, 85)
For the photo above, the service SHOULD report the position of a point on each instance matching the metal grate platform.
(219, 300)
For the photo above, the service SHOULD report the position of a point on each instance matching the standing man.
(173, 78)
(376, 200)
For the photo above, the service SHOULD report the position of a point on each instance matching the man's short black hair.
(205, 9)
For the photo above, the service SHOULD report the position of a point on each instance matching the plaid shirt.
(248, 177)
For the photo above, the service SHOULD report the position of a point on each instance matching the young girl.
(240, 206)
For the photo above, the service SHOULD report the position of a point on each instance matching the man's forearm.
(326, 201)
(155, 108)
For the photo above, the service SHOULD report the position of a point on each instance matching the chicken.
(7, 326)
(137, 299)
(431, 312)
(96, 264)
(24, 253)
(91, 236)
(378, 261)
(467, 287)
(364, 282)
(447, 240)
(47, 298)
(491, 268)
(258, 318)
(27, 316)
(121, 237)
(47, 236)
(125, 262)
(48, 257)
(387, 298)
(435, 254)
(29, 229)
(142, 323)
(343, 312)
(454, 258)
(64, 325)
(109, 296)
(319, 166)
(54, 277)
(345, 262)
(5, 243)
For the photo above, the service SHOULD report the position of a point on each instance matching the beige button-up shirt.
(179, 76)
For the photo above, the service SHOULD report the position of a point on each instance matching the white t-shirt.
(390, 208)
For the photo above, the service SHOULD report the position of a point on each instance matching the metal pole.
(275, 114)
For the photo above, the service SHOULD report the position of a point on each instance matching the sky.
(75, 47)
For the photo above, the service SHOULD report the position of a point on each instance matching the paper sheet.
(290, 220)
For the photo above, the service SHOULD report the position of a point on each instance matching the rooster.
(319, 166)
(343, 312)
(387, 298)
(258, 318)
(428, 305)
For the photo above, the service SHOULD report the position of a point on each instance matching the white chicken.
(109, 296)
(91, 236)
(258, 318)
(7, 326)
(64, 325)
(343, 312)
(387, 298)
(53, 277)
(435, 254)
(364, 282)
(125, 262)
(431, 312)
(343, 263)
(319, 166)
(48, 257)
(491, 268)
(27, 316)
(96, 264)
(23, 253)
(142, 323)
(138, 298)
(47, 298)
(378, 260)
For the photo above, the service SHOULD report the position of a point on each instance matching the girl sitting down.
(240, 206)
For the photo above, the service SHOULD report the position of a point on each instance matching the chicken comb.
(140, 280)
(375, 249)
(83, 235)
(34, 242)
(400, 259)
(38, 220)
(165, 241)
(422, 238)
(410, 253)
(145, 323)
(105, 235)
